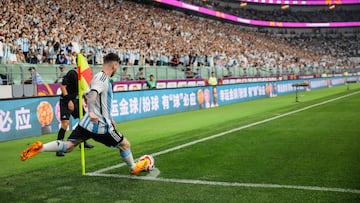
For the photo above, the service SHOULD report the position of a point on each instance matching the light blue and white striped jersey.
(36, 78)
(102, 110)
(24, 44)
(1, 49)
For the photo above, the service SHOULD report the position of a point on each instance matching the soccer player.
(69, 104)
(97, 123)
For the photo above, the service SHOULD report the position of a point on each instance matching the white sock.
(54, 146)
(127, 157)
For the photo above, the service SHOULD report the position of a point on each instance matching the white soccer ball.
(151, 159)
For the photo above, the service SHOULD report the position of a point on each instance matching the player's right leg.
(127, 157)
(54, 146)
(116, 139)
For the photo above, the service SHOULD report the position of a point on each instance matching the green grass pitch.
(312, 150)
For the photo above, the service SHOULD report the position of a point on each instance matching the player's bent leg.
(126, 155)
(124, 144)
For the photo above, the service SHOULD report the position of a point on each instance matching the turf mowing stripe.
(231, 131)
(228, 184)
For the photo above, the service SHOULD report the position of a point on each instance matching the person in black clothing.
(69, 104)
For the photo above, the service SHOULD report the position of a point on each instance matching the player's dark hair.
(111, 57)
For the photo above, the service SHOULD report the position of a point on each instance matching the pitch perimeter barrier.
(27, 117)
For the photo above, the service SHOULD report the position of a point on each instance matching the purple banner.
(255, 22)
(48, 89)
(303, 2)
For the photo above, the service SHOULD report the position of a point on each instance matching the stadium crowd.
(322, 14)
(36, 31)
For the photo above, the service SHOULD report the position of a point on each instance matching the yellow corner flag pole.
(84, 80)
(82, 150)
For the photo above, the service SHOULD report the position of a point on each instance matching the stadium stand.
(150, 36)
(344, 13)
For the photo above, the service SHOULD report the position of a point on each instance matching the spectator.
(32, 58)
(7, 51)
(188, 73)
(228, 72)
(1, 49)
(125, 76)
(35, 77)
(23, 43)
(140, 74)
(62, 74)
(99, 53)
(40, 56)
(61, 58)
(197, 74)
(13, 52)
(151, 83)
(91, 57)
(51, 52)
(21, 58)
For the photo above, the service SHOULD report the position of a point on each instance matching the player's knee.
(124, 145)
(70, 146)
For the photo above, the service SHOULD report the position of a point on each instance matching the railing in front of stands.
(15, 74)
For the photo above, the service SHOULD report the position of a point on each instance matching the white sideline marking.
(100, 172)
(231, 131)
(227, 184)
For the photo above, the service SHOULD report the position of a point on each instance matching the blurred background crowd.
(38, 32)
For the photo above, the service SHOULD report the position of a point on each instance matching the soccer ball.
(151, 165)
